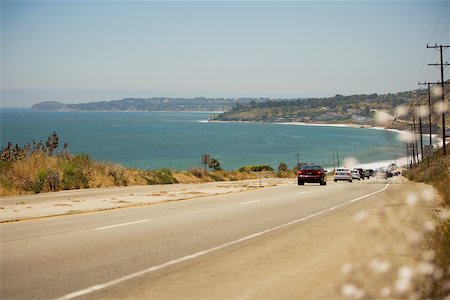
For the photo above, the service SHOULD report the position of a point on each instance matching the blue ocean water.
(176, 140)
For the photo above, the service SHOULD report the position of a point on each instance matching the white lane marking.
(122, 224)
(300, 193)
(249, 202)
(204, 252)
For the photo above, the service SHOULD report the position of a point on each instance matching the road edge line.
(98, 287)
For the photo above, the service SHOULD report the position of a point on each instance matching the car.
(355, 174)
(371, 172)
(363, 173)
(342, 174)
(311, 174)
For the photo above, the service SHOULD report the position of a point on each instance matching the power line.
(439, 20)
(442, 65)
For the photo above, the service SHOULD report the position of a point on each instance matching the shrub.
(215, 164)
(248, 169)
(39, 182)
(53, 180)
(215, 177)
(161, 176)
(69, 180)
(77, 172)
(282, 167)
(197, 172)
(118, 174)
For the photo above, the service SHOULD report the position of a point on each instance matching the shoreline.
(400, 162)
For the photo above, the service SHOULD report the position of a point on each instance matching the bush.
(215, 177)
(197, 172)
(118, 174)
(161, 176)
(39, 182)
(77, 172)
(248, 169)
(215, 164)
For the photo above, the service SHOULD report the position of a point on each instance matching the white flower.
(383, 118)
(379, 266)
(412, 199)
(425, 268)
(346, 268)
(385, 292)
(400, 111)
(414, 237)
(429, 226)
(441, 107)
(428, 195)
(436, 91)
(444, 214)
(350, 162)
(360, 216)
(403, 283)
(406, 137)
(429, 255)
(422, 111)
(349, 290)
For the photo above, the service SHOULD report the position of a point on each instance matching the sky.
(82, 51)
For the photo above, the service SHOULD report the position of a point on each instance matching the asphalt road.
(131, 252)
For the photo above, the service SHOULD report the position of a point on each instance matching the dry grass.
(39, 172)
(412, 260)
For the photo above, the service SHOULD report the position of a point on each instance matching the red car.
(312, 174)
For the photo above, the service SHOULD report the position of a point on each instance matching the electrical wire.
(439, 20)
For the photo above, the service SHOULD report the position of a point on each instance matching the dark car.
(363, 173)
(311, 174)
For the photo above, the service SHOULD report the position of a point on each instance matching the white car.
(355, 174)
(343, 174)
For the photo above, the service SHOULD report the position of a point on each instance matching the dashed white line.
(249, 202)
(204, 252)
(122, 224)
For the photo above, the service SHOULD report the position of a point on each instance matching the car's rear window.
(311, 168)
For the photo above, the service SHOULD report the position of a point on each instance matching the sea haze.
(176, 140)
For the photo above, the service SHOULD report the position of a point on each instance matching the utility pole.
(415, 139)
(413, 158)
(441, 49)
(429, 105)
(407, 154)
(337, 158)
(334, 164)
(420, 132)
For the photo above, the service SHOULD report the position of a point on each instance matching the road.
(252, 244)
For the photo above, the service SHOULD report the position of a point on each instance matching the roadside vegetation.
(436, 172)
(40, 167)
(410, 232)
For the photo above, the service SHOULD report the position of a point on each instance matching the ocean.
(177, 140)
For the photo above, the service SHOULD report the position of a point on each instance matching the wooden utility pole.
(441, 64)
(429, 106)
(413, 157)
(415, 139)
(420, 132)
(337, 158)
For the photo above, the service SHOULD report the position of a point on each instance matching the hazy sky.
(101, 50)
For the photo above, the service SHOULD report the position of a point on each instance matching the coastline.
(400, 162)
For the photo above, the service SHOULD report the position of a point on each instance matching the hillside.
(354, 109)
(148, 104)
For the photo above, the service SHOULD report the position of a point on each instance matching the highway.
(229, 246)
